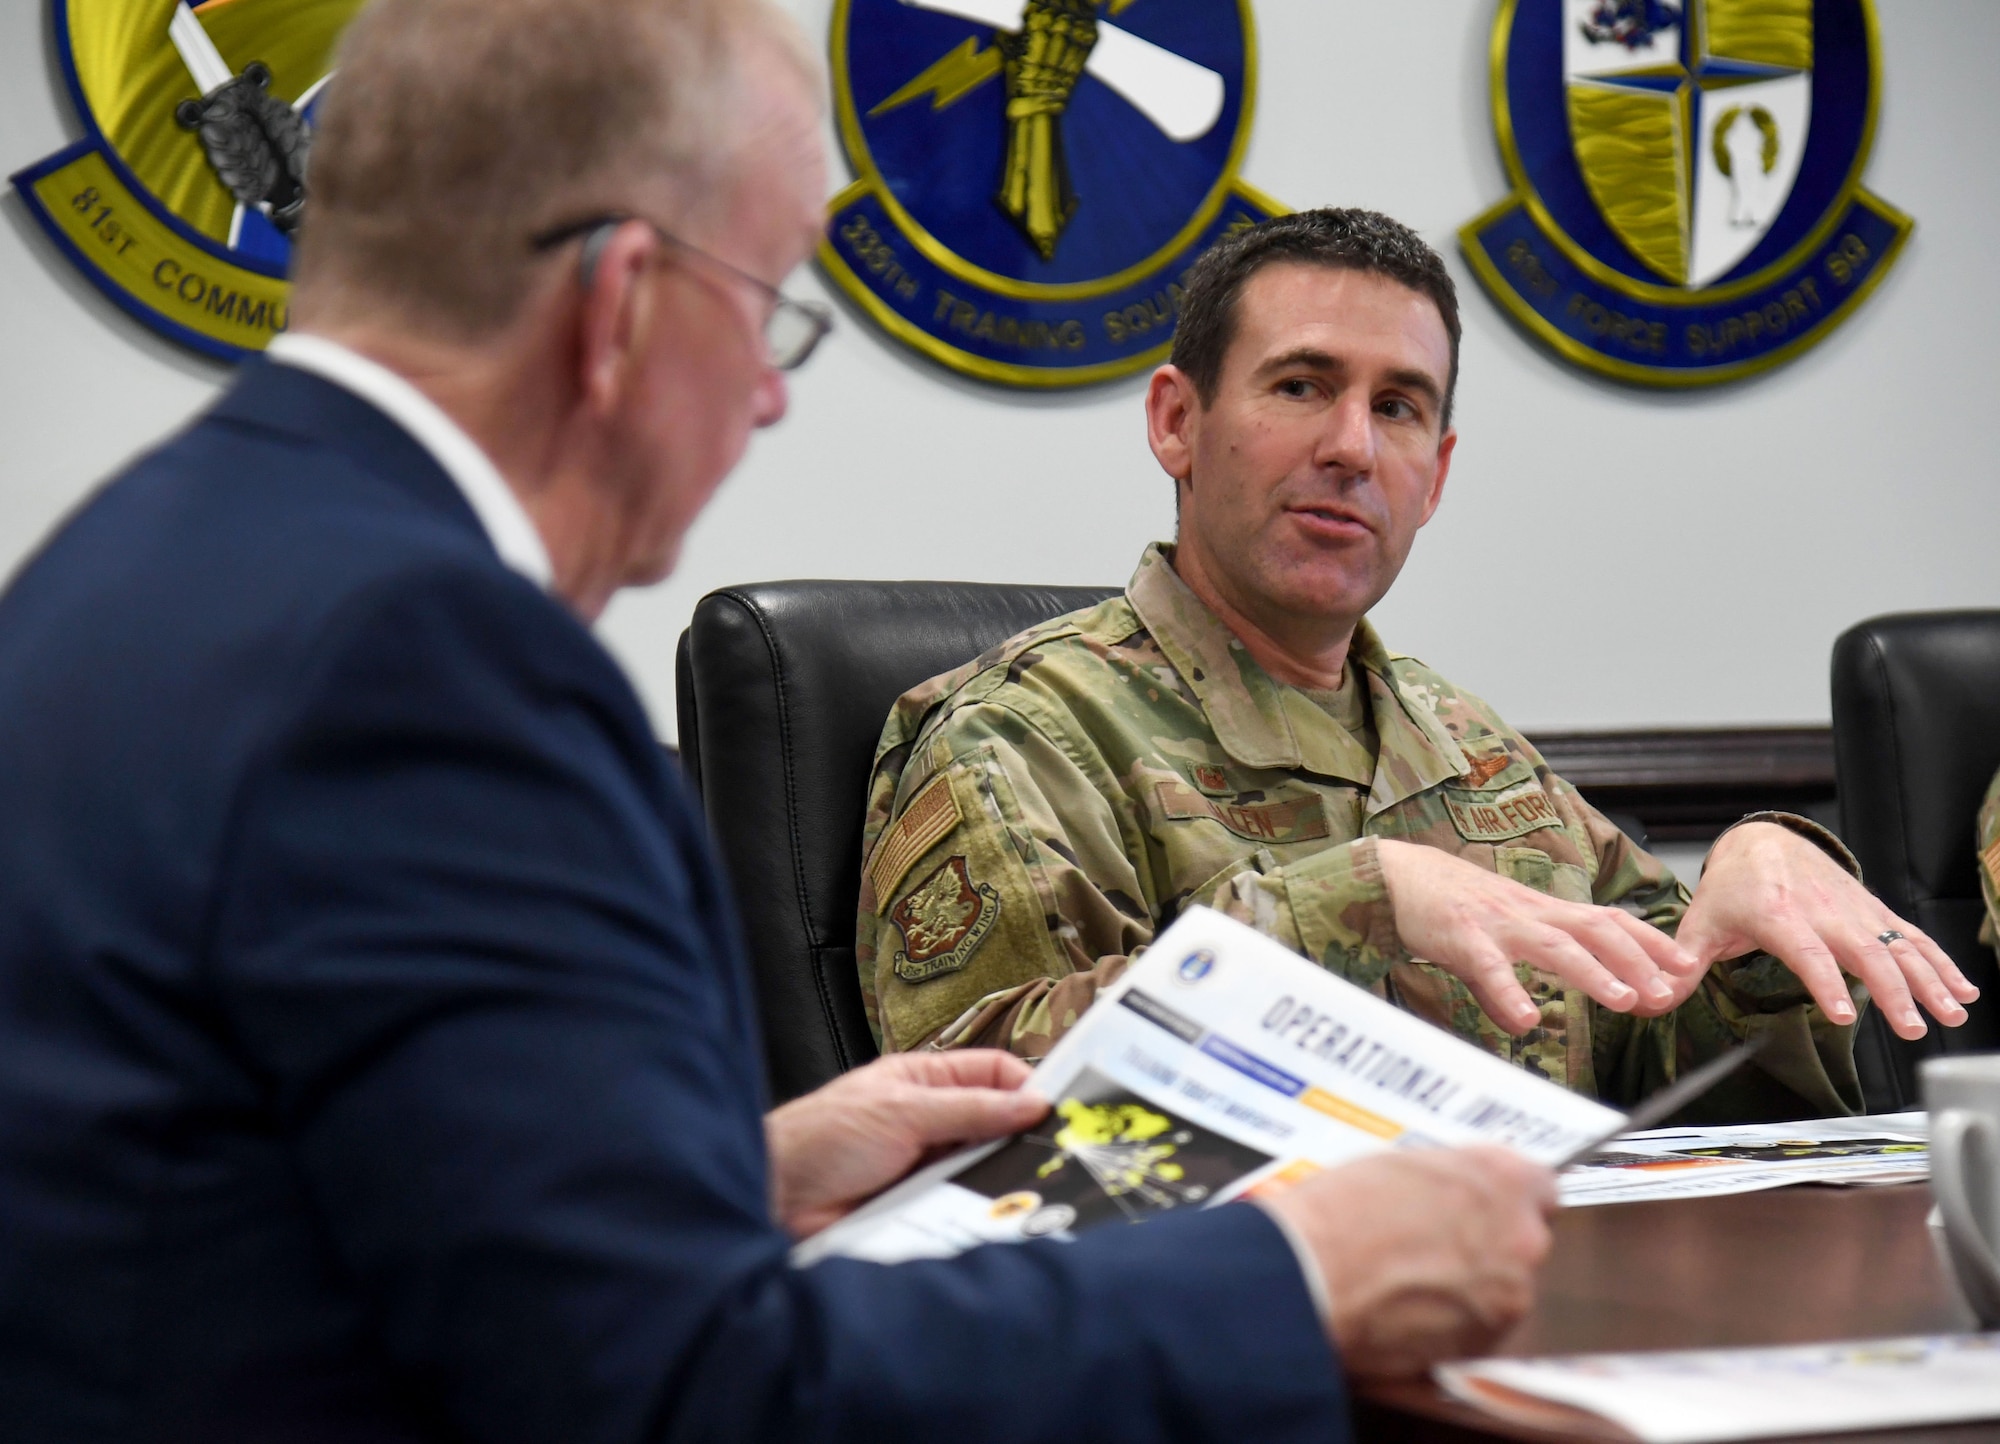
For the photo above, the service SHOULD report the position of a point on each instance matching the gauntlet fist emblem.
(1041, 63)
(255, 141)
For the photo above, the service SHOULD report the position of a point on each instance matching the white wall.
(1605, 557)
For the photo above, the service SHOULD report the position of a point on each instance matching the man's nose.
(772, 399)
(1349, 439)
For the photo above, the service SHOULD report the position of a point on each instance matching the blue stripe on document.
(1224, 1051)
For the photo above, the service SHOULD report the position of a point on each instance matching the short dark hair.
(1342, 239)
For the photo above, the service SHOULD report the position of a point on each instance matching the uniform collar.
(1262, 722)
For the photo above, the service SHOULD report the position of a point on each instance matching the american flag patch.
(927, 821)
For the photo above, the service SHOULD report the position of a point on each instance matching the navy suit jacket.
(376, 1055)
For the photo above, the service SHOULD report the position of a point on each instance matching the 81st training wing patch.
(1033, 177)
(943, 920)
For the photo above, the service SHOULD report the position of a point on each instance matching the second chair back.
(1916, 737)
(783, 688)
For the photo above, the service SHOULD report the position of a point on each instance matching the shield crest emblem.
(1034, 177)
(1689, 121)
(1687, 202)
(181, 199)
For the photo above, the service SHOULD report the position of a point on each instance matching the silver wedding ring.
(1890, 936)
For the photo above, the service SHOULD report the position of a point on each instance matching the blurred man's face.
(1304, 481)
(708, 385)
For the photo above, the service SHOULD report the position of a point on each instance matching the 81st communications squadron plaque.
(1034, 176)
(1687, 202)
(181, 198)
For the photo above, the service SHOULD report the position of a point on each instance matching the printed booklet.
(1219, 1065)
(1883, 1148)
(1704, 1396)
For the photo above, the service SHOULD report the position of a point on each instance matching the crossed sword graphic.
(1042, 46)
(255, 141)
(258, 145)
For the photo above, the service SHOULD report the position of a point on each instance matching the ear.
(616, 319)
(1173, 409)
(1447, 444)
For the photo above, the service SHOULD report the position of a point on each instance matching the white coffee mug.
(1963, 1097)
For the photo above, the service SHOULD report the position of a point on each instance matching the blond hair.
(455, 130)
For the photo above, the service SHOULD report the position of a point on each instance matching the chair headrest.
(784, 689)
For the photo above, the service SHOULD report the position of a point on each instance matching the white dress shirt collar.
(500, 512)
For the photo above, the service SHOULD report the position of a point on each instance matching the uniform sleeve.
(999, 894)
(1807, 1067)
(1989, 864)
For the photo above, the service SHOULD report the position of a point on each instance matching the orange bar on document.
(1352, 1114)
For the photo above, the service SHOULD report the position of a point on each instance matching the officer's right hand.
(1427, 1254)
(1476, 925)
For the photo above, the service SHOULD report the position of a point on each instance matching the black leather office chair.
(1916, 738)
(782, 691)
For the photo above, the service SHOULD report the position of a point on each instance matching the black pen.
(1672, 1098)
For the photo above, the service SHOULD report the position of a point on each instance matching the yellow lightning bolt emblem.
(952, 76)
(957, 73)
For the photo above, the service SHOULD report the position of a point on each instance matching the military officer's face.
(1304, 481)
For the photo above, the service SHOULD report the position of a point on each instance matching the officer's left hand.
(1765, 887)
(841, 1144)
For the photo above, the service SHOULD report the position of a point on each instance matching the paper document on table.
(1220, 1064)
(1744, 1158)
(1703, 1395)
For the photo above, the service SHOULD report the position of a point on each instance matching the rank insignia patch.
(1687, 203)
(1482, 770)
(180, 201)
(1033, 177)
(944, 920)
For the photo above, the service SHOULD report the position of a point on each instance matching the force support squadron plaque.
(1035, 176)
(1687, 202)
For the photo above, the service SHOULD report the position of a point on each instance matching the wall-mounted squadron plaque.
(180, 200)
(1687, 202)
(1035, 176)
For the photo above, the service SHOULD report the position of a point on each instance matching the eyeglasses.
(791, 328)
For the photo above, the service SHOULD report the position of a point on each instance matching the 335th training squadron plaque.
(1687, 202)
(180, 199)
(1034, 176)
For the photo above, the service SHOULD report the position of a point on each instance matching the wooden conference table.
(1789, 1266)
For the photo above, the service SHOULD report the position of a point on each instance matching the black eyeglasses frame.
(813, 318)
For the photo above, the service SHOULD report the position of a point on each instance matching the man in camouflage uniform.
(1989, 863)
(1231, 732)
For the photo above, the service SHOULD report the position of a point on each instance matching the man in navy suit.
(376, 1057)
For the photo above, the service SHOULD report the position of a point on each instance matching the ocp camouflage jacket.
(1038, 815)
(1989, 863)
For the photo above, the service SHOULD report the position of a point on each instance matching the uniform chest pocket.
(1535, 869)
(1300, 818)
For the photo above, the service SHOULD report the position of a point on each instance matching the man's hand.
(1476, 925)
(1765, 887)
(1427, 1255)
(838, 1146)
